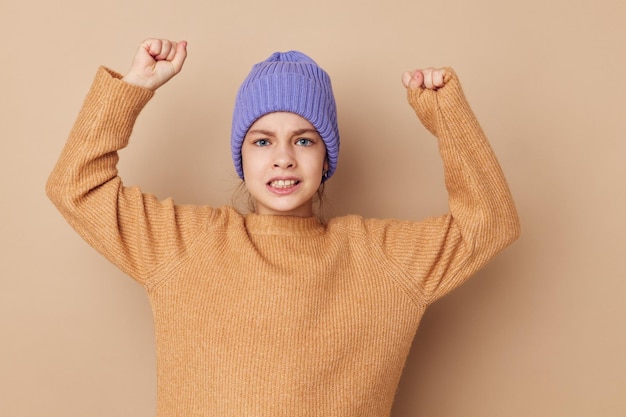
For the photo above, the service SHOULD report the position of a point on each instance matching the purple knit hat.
(290, 82)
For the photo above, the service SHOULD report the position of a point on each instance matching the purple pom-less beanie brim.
(289, 82)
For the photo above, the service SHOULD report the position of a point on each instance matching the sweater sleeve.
(133, 230)
(439, 254)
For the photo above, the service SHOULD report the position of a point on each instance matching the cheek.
(249, 162)
(322, 160)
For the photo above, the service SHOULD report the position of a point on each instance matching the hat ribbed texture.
(290, 82)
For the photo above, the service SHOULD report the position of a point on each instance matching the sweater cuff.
(447, 102)
(117, 95)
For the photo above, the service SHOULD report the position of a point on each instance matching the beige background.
(539, 332)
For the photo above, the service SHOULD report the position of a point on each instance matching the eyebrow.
(294, 133)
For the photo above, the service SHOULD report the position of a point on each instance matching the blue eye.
(262, 142)
(304, 142)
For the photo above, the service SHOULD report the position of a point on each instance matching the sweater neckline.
(263, 224)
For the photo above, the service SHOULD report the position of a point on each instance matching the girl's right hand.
(156, 62)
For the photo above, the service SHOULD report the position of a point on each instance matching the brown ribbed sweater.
(282, 316)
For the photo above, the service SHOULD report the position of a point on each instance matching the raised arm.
(133, 230)
(483, 219)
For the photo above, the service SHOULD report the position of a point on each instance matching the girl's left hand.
(429, 78)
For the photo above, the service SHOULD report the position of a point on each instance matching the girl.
(275, 313)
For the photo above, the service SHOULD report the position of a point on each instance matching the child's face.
(283, 158)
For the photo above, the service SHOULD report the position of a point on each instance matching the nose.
(284, 157)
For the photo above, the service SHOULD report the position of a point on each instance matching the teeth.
(283, 183)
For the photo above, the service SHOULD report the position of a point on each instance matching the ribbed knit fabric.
(282, 316)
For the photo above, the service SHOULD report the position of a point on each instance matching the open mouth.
(283, 183)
